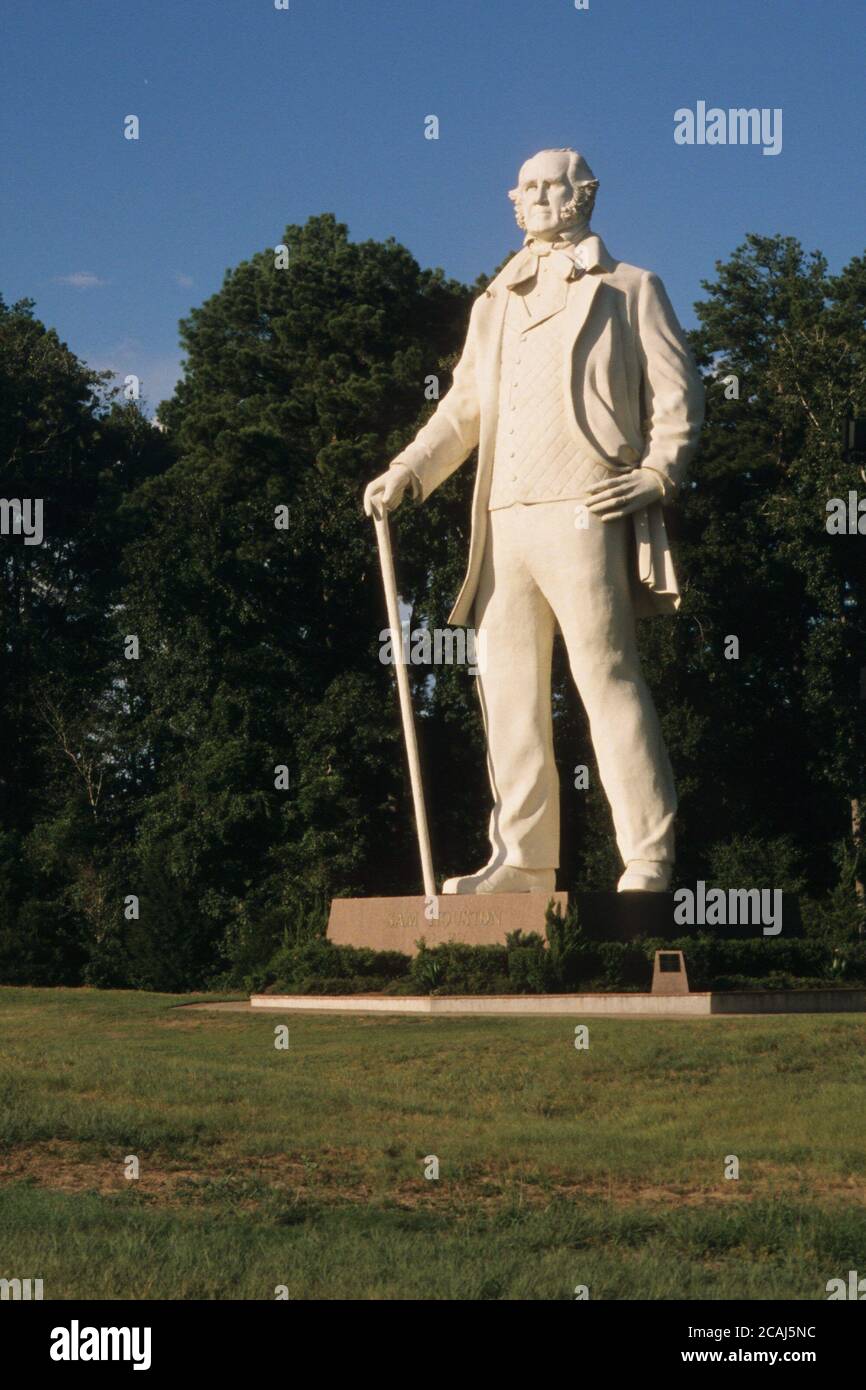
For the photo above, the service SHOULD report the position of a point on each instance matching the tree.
(68, 447)
(260, 642)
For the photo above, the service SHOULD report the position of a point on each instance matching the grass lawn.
(305, 1167)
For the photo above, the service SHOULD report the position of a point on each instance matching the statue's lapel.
(490, 338)
(580, 302)
(556, 300)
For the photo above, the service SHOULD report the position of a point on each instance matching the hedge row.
(568, 963)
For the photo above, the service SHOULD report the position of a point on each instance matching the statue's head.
(555, 193)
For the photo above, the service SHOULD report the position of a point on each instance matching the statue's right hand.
(386, 492)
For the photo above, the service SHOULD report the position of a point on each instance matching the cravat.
(563, 254)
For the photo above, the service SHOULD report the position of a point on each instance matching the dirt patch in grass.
(334, 1178)
(63, 1168)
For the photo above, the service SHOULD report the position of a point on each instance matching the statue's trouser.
(541, 569)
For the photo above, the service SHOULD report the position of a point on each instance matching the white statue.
(578, 388)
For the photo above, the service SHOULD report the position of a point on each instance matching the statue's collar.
(586, 251)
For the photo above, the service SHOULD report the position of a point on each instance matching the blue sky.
(252, 118)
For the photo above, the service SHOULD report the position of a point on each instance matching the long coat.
(634, 393)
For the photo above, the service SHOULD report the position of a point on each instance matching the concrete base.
(396, 924)
(819, 1001)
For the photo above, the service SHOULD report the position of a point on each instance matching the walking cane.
(386, 560)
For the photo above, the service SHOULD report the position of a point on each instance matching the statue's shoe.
(645, 876)
(504, 879)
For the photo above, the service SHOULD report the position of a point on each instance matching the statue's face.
(545, 195)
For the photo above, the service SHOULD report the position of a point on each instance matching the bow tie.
(564, 254)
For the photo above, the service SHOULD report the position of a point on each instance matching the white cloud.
(80, 280)
(185, 281)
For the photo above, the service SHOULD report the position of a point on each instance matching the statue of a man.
(578, 388)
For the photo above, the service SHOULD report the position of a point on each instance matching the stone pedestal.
(397, 924)
(484, 919)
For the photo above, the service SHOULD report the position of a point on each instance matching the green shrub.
(338, 984)
(455, 968)
(529, 969)
(566, 953)
(296, 969)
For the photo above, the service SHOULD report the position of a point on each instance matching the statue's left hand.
(616, 497)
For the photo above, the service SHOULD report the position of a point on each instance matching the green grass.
(305, 1167)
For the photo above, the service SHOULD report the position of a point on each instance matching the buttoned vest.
(535, 457)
